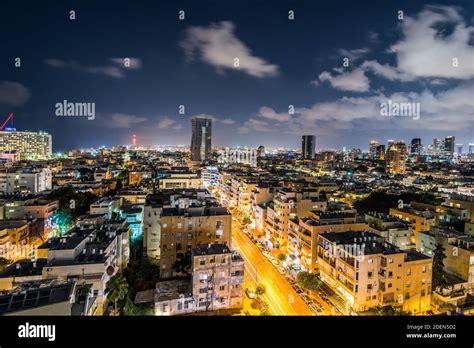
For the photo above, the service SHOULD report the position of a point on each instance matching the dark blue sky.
(71, 60)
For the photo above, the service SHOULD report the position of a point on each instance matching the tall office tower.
(459, 149)
(29, 145)
(201, 138)
(396, 157)
(416, 146)
(373, 149)
(308, 146)
(437, 145)
(449, 144)
(380, 153)
(471, 149)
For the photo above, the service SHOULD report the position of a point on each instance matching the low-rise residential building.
(177, 221)
(26, 180)
(216, 283)
(88, 255)
(106, 206)
(421, 220)
(369, 272)
(288, 204)
(180, 180)
(392, 229)
(303, 239)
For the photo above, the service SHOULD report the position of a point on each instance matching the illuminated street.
(280, 296)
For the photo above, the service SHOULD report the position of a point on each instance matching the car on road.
(281, 270)
(275, 262)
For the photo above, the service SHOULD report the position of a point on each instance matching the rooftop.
(36, 295)
(24, 268)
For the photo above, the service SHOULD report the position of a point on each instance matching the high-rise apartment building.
(396, 157)
(308, 146)
(29, 145)
(201, 139)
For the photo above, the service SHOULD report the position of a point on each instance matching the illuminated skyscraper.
(201, 139)
(29, 145)
(380, 153)
(373, 149)
(396, 157)
(308, 146)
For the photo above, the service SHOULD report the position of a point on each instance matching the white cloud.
(353, 54)
(13, 93)
(424, 51)
(168, 123)
(270, 114)
(256, 125)
(386, 70)
(228, 121)
(354, 80)
(115, 70)
(119, 120)
(452, 109)
(218, 46)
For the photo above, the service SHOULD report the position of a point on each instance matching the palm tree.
(116, 289)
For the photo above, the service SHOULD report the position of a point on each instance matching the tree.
(131, 309)
(83, 291)
(438, 266)
(246, 220)
(62, 222)
(308, 281)
(116, 289)
(4, 263)
(281, 257)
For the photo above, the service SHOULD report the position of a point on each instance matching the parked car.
(281, 270)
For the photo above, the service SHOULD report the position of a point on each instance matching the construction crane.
(10, 117)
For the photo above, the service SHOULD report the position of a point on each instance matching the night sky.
(282, 63)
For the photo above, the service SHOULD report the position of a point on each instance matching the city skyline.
(270, 99)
